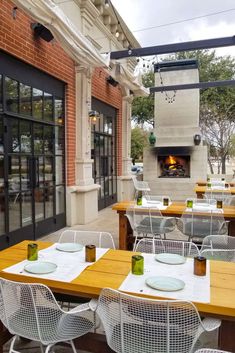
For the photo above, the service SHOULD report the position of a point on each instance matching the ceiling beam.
(200, 85)
(175, 47)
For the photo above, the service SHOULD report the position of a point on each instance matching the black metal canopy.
(179, 47)
(175, 47)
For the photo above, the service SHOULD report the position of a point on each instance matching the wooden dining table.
(111, 270)
(176, 209)
(205, 182)
(201, 190)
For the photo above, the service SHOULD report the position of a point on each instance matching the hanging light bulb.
(117, 34)
(106, 3)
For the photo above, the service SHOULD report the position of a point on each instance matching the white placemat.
(69, 265)
(156, 204)
(207, 209)
(197, 289)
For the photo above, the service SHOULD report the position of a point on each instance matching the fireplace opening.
(174, 166)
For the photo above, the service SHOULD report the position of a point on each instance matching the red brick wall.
(16, 38)
(112, 96)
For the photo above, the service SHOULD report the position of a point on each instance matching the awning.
(76, 45)
(127, 79)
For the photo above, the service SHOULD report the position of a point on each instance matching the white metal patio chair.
(208, 350)
(222, 195)
(147, 222)
(84, 237)
(196, 223)
(219, 247)
(133, 324)
(31, 311)
(158, 246)
(230, 200)
(140, 185)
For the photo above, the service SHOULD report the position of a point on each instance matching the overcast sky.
(140, 14)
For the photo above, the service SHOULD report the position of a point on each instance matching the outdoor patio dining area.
(150, 275)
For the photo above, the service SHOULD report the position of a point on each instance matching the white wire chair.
(31, 311)
(222, 195)
(139, 185)
(84, 237)
(230, 200)
(204, 203)
(157, 246)
(196, 223)
(133, 324)
(208, 350)
(146, 222)
(219, 247)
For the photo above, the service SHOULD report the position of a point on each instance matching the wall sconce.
(111, 81)
(60, 120)
(42, 31)
(93, 116)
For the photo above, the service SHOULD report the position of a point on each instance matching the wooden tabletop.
(203, 189)
(112, 269)
(175, 209)
(204, 183)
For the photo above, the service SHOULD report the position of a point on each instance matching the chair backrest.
(157, 246)
(140, 185)
(219, 247)
(29, 310)
(218, 242)
(206, 202)
(208, 350)
(84, 237)
(223, 195)
(198, 223)
(147, 325)
(230, 200)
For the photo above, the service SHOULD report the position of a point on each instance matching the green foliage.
(143, 107)
(139, 140)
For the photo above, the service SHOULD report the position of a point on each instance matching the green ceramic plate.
(164, 283)
(69, 247)
(40, 268)
(170, 259)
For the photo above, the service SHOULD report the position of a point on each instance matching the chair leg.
(49, 347)
(41, 347)
(73, 346)
(11, 350)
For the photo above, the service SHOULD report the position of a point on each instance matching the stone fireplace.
(175, 163)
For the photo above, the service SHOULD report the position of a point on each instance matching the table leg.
(226, 336)
(231, 228)
(126, 238)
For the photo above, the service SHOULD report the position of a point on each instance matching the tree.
(217, 105)
(143, 107)
(139, 140)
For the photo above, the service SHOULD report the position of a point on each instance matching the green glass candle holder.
(137, 263)
(139, 199)
(219, 204)
(32, 252)
(165, 201)
(189, 204)
(209, 185)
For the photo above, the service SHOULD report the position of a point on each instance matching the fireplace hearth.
(174, 166)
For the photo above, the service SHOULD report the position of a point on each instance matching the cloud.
(150, 13)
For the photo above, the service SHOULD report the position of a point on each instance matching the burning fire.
(171, 160)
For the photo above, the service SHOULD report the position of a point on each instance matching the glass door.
(103, 152)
